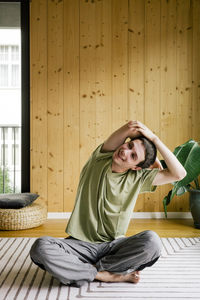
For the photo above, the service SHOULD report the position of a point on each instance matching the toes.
(136, 276)
(137, 272)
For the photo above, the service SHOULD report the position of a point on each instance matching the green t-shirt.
(105, 200)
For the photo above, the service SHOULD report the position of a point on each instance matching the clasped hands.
(137, 128)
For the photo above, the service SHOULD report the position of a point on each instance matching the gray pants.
(75, 262)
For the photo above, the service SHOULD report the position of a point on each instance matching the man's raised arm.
(119, 136)
(175, 171)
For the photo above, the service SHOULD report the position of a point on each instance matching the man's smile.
(120, 154)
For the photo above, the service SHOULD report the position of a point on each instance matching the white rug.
(176, 275)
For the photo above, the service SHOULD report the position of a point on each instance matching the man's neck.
(116, 169)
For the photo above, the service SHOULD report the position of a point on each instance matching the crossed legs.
(74, 262)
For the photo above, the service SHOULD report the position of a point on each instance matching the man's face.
(128, 155)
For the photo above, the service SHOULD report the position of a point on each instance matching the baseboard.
(135, 215)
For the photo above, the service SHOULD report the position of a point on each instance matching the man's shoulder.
(99, 153)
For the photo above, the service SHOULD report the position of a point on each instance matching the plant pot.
(195, 207)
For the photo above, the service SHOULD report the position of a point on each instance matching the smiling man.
(110, 182)
(136, 154)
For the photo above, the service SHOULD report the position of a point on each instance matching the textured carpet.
(176, 275)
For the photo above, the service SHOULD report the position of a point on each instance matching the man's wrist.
(155, 140)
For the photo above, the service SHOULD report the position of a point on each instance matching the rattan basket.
(28, 217)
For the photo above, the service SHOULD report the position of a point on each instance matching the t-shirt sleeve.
(98, 154)
(147, 179)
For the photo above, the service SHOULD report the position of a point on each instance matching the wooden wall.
(95, 64)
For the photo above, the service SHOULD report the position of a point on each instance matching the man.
(110, 182)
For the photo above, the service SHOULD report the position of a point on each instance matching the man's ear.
(136, 168)
(156, 165)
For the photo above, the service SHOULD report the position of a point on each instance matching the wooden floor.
(163, 227)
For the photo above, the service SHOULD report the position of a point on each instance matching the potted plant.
(189, 156)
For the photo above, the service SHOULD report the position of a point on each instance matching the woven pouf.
(27, 217)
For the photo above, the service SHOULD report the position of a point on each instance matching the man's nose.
(126, 151)
(123, 153)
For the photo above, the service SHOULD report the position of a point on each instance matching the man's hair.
(150, 152)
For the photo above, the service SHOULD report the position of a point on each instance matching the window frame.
(25, 85)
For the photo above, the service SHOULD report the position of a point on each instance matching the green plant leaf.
(166, 201)
(183, 150)
(197, 183)
(189, 156)
(165, 206)
(191, 162)
(181, 191)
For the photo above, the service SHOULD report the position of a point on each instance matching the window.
(14, 97)
(4, 134)
(15, 133)
(4, 155)
(10, 63)
(15, 155)
(3, 75)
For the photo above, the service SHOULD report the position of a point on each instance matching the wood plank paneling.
(71, 102)
(152, 65)
(103, 64)
(184, 83)
(87, 80)
(119, 62)
(196, 71)
(96, 64)
(55, 105)
(184, 64)
(38, 65)
(136, 64)
(168, 84)
(152, 82)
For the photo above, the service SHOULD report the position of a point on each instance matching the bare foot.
(106, 276)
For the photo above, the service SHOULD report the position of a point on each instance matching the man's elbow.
(181, 175)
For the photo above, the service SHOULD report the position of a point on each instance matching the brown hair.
(150, 152)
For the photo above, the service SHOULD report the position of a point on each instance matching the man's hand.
(138, 129)
(133, 132)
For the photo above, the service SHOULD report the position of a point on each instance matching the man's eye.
(130, 146)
